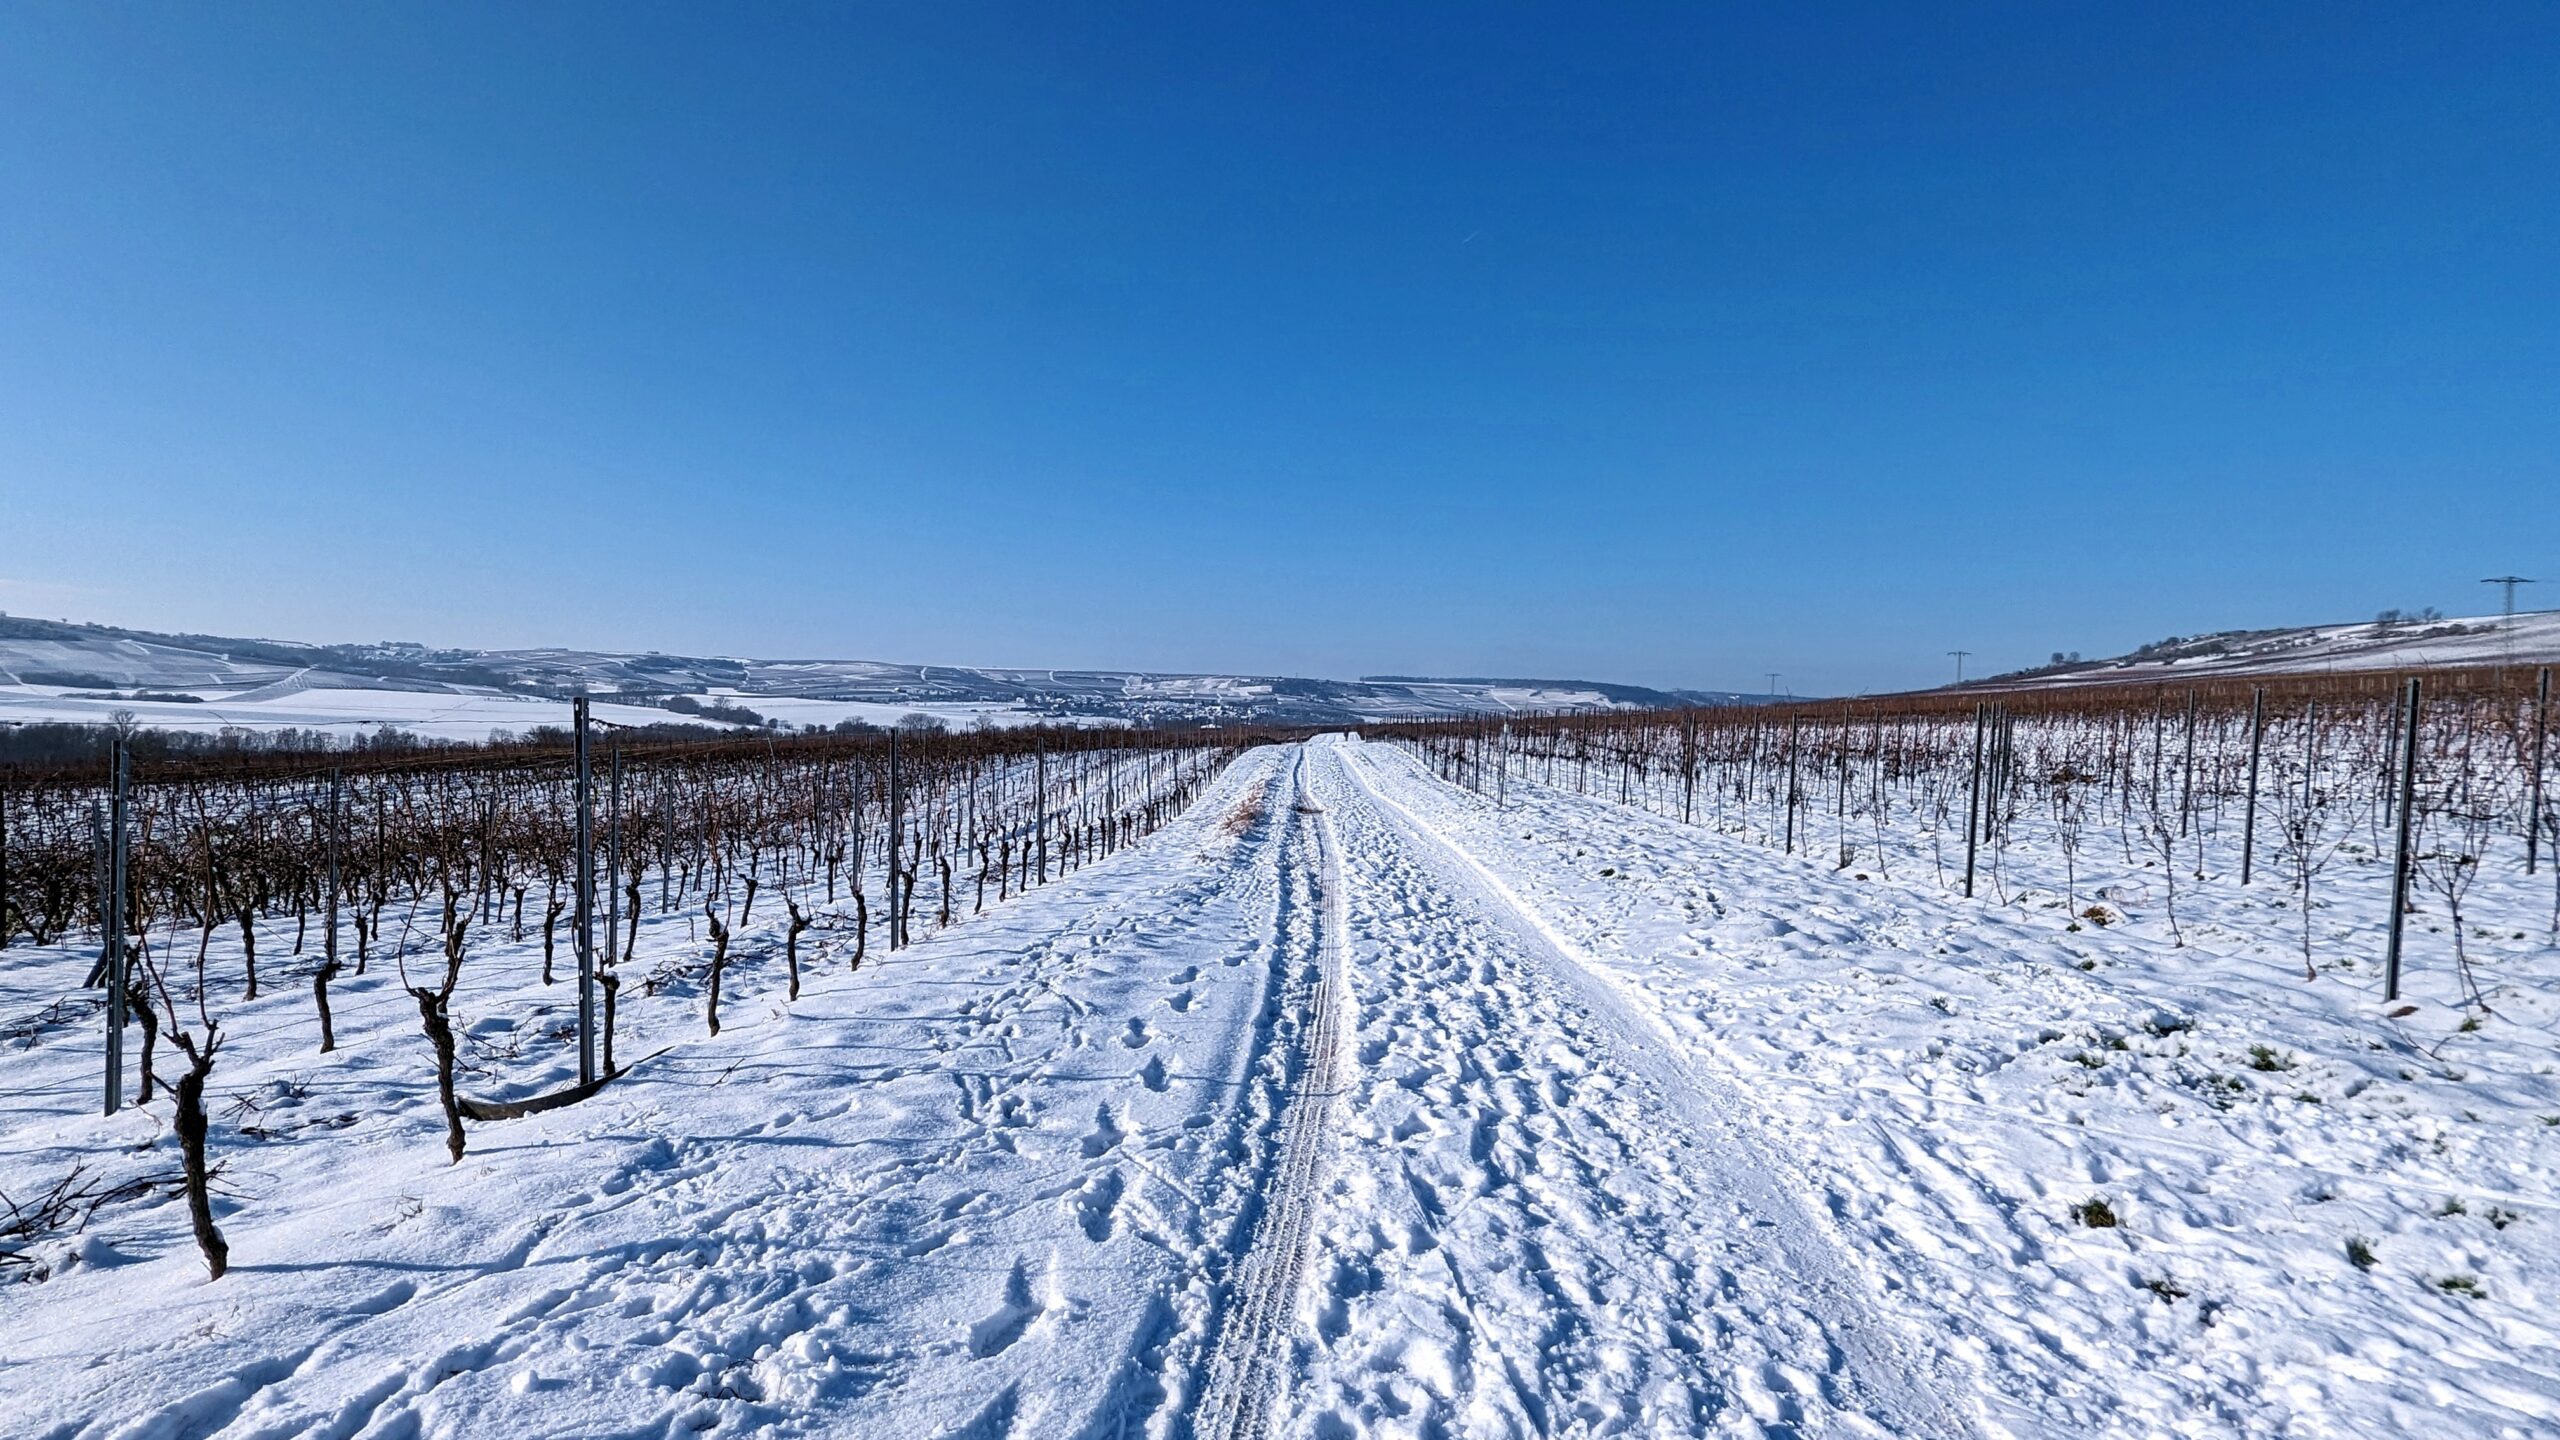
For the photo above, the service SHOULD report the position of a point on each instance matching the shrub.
(2095, 1213)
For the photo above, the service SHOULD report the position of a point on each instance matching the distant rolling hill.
(2405, 643)
(63, 671)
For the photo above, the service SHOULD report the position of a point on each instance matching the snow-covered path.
(1248, 1375)
(1545, 1222)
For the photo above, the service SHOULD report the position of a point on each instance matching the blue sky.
(1668, 344)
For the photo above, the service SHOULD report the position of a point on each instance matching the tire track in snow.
(1243, 1386)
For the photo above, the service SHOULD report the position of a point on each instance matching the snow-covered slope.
(2532, 638)
(82, 673)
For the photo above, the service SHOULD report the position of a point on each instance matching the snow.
(1352, 1104)
(414, 687)
(465, 714)
(1951, 1077)
(439, 715)
(461, 714)
(983, 1177)
(803, 713)
(1548, 1212)
(2527, 638)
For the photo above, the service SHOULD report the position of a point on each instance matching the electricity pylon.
(2510, 582)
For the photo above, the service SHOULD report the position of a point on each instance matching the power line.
(1959, 654)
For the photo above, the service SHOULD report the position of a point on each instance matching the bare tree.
(2069, 810)
(719, 962)
(201, 1045)
(2307, 811)
(435, 1013)
(2458, 826)
(800, 920)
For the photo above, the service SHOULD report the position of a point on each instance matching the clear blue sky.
(1669, 345)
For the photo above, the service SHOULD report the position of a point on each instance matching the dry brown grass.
(1248, 810)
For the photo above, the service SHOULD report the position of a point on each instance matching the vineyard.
(2106, 801)
(2190, 1050)
(419, 867)
(2045, 1062)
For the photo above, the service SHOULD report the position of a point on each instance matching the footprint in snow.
(994, 1334)
(383, 1301)
(1106, 1133)
(1098, 1203)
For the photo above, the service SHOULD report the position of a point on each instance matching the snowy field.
(807, 713)
(434, 715)
(2529, 638)
(82, 674)
(1353, 1104)
(458, 715)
